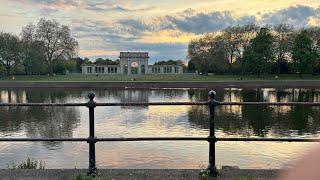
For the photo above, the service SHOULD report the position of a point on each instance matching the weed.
(29, 164)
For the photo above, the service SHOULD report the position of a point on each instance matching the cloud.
(104, 7)
(298, 16)
(215, 21)
(168, 36)
(188, 21)
(53, 4)
(96, 6)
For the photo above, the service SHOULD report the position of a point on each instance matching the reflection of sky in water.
(235, 121)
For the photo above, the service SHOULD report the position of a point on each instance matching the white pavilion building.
(132, 63)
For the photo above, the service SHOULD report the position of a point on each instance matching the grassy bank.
(155, 78)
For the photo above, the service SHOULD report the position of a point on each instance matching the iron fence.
(212, 139)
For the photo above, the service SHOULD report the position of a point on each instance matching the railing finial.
(212, 94)
(91, 96)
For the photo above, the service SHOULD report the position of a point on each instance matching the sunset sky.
(103, 28)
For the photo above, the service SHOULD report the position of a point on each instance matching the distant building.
(132, 63)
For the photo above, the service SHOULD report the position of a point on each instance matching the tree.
(59, 66)
(101, 61)
(259, 54)
(2, 70)
(221, 52)
(232, 44)
(71, 65)
(191, 66)
(248, 32)
(107, 61)
(33, 52)
(10, 51)
(202, 50)
(169, 62)
(283, 37)
(303, 54)
(197, 54)
(314, 34)
(56, 39)
(79, 61)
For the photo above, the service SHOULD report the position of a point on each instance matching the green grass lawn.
(156, 78)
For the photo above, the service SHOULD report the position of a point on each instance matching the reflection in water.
(236, 121)
(49, 122)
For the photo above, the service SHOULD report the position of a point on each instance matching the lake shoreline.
(151, 85)
(133, 174)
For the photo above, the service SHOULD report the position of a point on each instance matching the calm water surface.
(231, 121)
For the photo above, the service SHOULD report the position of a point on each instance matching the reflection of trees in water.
(132, 95)
(227, 122)
(51, 95)
(143, 95)
(168, 92)
(38, 121)
(109, 93)
(51, 122)
(199, 116)
(138, 95)
(260, 120)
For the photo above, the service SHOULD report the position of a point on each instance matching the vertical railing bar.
(212, 170)
(92, 170)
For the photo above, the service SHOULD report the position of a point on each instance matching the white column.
(129, 67)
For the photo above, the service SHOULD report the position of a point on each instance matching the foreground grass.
(85, 177)
(155, 78)
(28, 164)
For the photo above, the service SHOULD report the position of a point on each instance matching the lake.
(231, 121)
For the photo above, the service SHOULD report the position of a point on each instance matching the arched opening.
(125, 69)
(134, 67)
(143, 69)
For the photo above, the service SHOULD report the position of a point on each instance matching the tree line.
(251, 49)
(44, 48)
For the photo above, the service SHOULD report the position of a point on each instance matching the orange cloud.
(168, 36)
(97, 52)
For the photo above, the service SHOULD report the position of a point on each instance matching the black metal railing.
(212, 139)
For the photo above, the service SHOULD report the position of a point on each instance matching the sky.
(163, 28)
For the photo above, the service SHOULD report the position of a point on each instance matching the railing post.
(212, 170)
(92, 170)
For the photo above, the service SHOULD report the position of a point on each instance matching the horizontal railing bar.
(270, 139)
(208, 139)
(42, 139)
(43, 104)
(271, 103)
(155, 139)
(151, 103)
(168, 104)
(164, 139)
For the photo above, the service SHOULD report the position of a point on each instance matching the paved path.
(141, 174)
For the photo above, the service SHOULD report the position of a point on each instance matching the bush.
(18, 70)
(2, 70)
